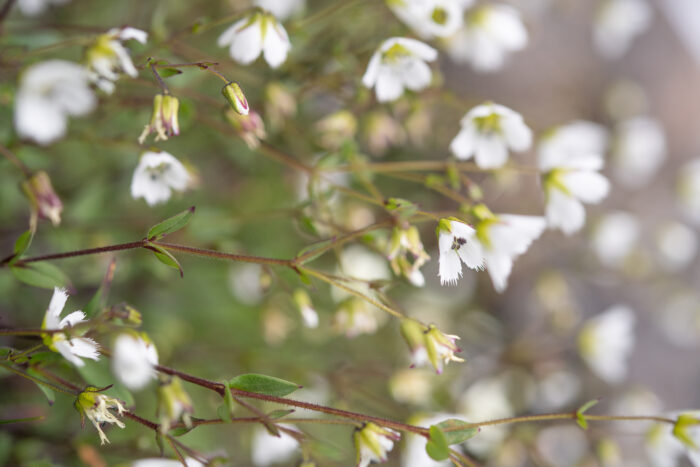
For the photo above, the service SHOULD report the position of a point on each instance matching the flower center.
(396, 53)
(488, 124)
(440, 16)
(457, 243)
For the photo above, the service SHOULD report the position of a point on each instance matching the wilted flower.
(44, 200)
(107, 57)
(430, 18)
(235, 97)
(489, 35)
(250, 127)
(336, 128)
(306, 309)
(258, 32)
(95, 407)
(689, 190)
(618, 23)
(429, 345)
(73, 349)
(638, 150)
(173, 403)
(458, 244)
(164, 122)
(48, 93)
(134, 360)
(606, 341)
(614, 237)
(36, 7)
(399, 63)
(373, 442)
(156, 176)
(267, 449)
(282, 9)
(488, 130)
(405, 242)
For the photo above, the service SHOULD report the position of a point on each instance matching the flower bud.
(173, 403)
(235, 97)
(164, 122)
(373, 442)
(43, 198)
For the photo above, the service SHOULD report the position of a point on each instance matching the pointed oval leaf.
(165, 257)
(170, 225)
(262, 384)
(22, 243)
(457, 431)
(228, 400)
(44, 275)
(437, 447)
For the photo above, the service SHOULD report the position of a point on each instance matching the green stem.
(89, 251)
(221, 255)
(423, 165)
(569, 416)
(26, 352)
(37, 380)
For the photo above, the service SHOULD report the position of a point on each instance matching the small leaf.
(168, 72)
(165, 257)
(580, 418)
(228, 401)
(43, 275)
(314, 250)
(48, 392)
(262, 384)
(170, 225)
(403, 208)
(680, 430)
(22, 420)
(457, 431)
(275, 414)
(179, 431)
(437, 447)
(22, 243)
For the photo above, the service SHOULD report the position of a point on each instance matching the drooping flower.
(107, 57)
(618, 23)
(638, 151)
(614, 238)
(430, 18)
(250, 127)
(134, 360)
(49, 92)
(489, 35)
(569, 159)
(373, 443)
(606, 341)
(156, 176)
(429, 345)
(487, 132)
(173, 403)
(257, 33)
(282, 9)
(398, 64)
(407, 255)
(44, 200)
(73, 349)
(164, 122)
(503, 238)
(458, 244)
(95, 407)
(267, 449)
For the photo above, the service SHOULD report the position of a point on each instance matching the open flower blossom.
(156, 176)
(606, 341)
(373, 443)
(37, 7)
(431, 18)
(73, 349)
(489, 35)
(107, 57)
(134, 360)
(429, 345)
(618, 23)
(638, 151)
(95, 407)
(503, 238)
(487, 132)
(458, 244)
(282, 9)
(164, 122)
(49, 92)
(398, 64)
(569, 159)
(257, 33)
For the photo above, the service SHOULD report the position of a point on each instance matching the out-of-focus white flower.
(355, 316)
(689, 190)
(282, 9)
(606, 341)
(618, 23)
(488, 130)
(503, 238)
(49, 92)
(362, 266)
(382, 131)
(156, 176)
(557, 390)
(399, 64)
(107, 57)
(267, 449)
(679, 319)
(562, 444)
(134, 360)
(160, 462)
(95, 407)
(412, 386)
(638, 151)
(248, 282)
(36, 7)
(73, 349)
(677, 245)
(486, 399)
(430, 18)
(257, 33)
(414, 454)
(173, 404)
(570, 158)
(458, 244)
(373, 443)
(666, 443)
(489, 35)
(614, 238)
(306, 309)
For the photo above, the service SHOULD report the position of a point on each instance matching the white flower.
(134, 361)
(570, 158)
(457, 244)
(562, 445)
(490, 34)
(677, 245)
(48, 93)
(431, 18)
(503, 238)
(108, 57)
(618, 23)
(639, 150)
(488, 130)
(73, 349)
(282, 9)
(355, 316)
(267, 449)
(606, 341)
(399, 63)
(373, 443)
(36, 7)
(156, 176)
(161, 462)
(256, 33)
(557, 390)
(614, 237)
(414, 454)
(487, 399)
(95, 407)
(306, 308)
(661, 447)
(689, 190)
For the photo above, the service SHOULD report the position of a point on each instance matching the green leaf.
(170, 225)
(457, 431)
(580, 418)
(22, 420)
(314, 250)
(43, 275)
(168, 72)
(228, 401)
(22, 243)
(48, 392)
(275, 414)
(262, 384)
(165, 257)
(179, 431)
(437, 447)
(402, 207)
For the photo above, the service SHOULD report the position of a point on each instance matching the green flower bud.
(235, 97)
